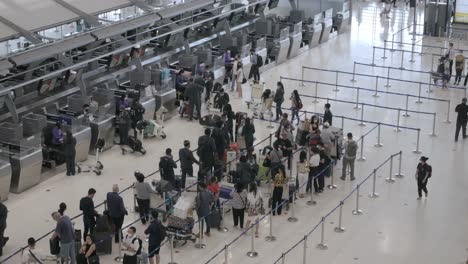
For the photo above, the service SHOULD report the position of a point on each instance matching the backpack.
(162, 229)
(140, 245)
(429, 169)
(259, 61)
(351, 149)
(163, 166)
(299, 104)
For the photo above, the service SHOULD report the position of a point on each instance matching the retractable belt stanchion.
(332, 176)
(311, 201)
(336, 83)
(270, 125)
(419, 94)
(200, 244)
(322, 244)
(429, 90)
(293, 217)
(397, 128)
(362, 158)
(412, 53)
(362, 116)
(172, 249)
(373, 56)
(406, 114)
(417, 151)
(354, 73)
(378, 144)
(387, 85)
(340, 228)
(120, 257)
(433, 133)
(304, 252)
(302, 83)
(316, 88)
(357, 107)
(376, 94)
(400, 160)
(270, 237)
(384, 50)
(390, 178)
(226, 254)
(357, 211)
(252, 253)
(448, 121)
(402, 54)
(283, 258)
(374, 179)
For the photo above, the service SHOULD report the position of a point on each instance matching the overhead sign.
(461, 11)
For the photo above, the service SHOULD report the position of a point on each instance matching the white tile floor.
(395, 228)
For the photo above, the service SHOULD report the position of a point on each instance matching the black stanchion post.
(406, 114)
(357, 211)
(304, 252)
(283, 258)
(340, 228)
(376, 94)
(270, 237)
(417, 151)
(390, 177)
(270, 140)
(226, 254)
(378, 144)
(322, 244)
(400, 160)
(342, 122)
(374, 179)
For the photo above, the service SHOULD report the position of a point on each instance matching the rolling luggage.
(225, 191)
(54, 246)
(214, 219)
(103, 241)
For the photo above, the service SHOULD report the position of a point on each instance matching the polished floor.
(394, 228)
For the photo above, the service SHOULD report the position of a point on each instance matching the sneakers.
(343, 178)
(427, 194)
(353, 178)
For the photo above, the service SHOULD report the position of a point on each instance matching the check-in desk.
(327, 23)
(312, 33)
(295, 37)
(26, 165)
(149, 103)
(82, 135)
(166, 98)
(343, 22)
(102, 127)
(5, 178)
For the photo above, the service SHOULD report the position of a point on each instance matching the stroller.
(135, 145)
(180, 229)
(97, 167)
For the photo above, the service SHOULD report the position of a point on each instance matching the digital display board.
(461, 11)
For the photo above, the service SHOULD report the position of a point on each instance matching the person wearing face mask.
(423, 173)
(167, 166)
(131, 246)
(221, 99)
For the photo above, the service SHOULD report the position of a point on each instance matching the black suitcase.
(103, 241)
(54, 246)
(215, 218)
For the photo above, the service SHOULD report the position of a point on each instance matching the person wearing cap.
(143, 192)
(186, 162)
(423, 173)
(462, 117)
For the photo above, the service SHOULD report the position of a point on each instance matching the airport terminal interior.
(94, 93)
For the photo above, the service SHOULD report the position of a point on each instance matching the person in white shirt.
(254, 203)
(450, 56)
(314, 163)
(302, 173)
(30, 254)
(130, 246)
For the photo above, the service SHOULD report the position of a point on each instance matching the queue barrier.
(357, 210)
(375, 90)
(104, 203)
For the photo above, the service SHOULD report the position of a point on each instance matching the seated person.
(88, 252)
(221, 99)
(57, 134)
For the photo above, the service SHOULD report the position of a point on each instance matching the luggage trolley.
(97, 167)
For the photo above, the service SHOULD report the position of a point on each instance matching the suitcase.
(103, 241)
(78, 235)
(54, 246)
(225, 192)
(214, 219)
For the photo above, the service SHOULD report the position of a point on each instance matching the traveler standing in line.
(296, 105)
(193, 93)
(275, 157)
(3, 226)
(450, 55)
(206, 151)
(124, 125)
(314, 163)
(167, 166)
(131, 246)
(462, 117)
(217, 134)
(423, 173)
(117, 211)
(136, 114)
(62, 208)
(248, 132)
(328, 115)
(69, 152)
(254, 69)
(327, 138)
(65, 232)
(208, 75)
(234, 72)
(227, 63)
(229, 115)
(350, 150)
(238, 202)
(279, 183)
(302, 173)
(203, 203)
(254, 205)
(239, 78)
(459, 66)
(279, 99)
(156, 232)
(186, 162)
(143, 191)
(89, 213)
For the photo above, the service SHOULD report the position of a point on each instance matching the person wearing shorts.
(156, 232)
(64, 230)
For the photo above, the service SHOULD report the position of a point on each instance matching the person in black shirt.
(328, 116)
(462, 117)
(186, 162)
(156, 232)
(286, 147)
(89, 214)
(117, 211)
(3, 226)
(167, 166)
(319, 181)
(136, 114)
(423, 173)
(208, 75)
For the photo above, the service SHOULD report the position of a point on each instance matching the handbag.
(244, 80)
(266, 163)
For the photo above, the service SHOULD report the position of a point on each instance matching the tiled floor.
(395, 228)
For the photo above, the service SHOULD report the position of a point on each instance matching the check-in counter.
(25, 169)
(82, 135)
(327, 24)
(5, 179)
(167, 98)
(102, 127)
(343, 24)
(295, 38)
(312, 34)
(149, 103)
